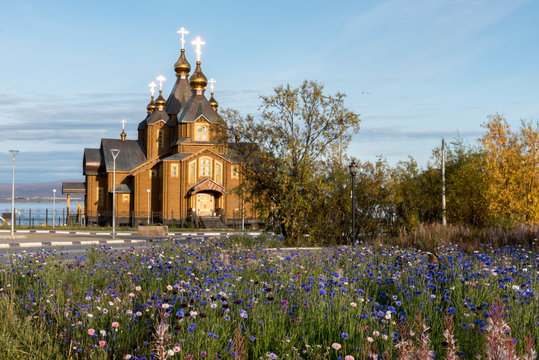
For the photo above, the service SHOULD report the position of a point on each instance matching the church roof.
(131, 154)
(197, 106)
(73, 188)
(159, 115)
(178, 156)
(92, 163)
(181, 92)
(206, 185)
(124, 189)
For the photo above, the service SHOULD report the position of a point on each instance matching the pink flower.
(169, 287)
(91, 332)
(336, 346)
(115, 324)
(102, 343)
(348, 357)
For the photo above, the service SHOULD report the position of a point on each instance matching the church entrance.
(205, 204)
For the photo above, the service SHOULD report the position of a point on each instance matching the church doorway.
(205, 204)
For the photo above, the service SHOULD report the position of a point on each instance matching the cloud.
(393, 134)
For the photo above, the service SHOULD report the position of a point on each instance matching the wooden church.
(176, 171)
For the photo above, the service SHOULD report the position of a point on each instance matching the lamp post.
(13, 155)
(242, 209)
(148, 191)
(53, 207)
(353, 171)
(115, 153)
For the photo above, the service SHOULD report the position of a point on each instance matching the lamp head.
(13, 153)
(352, 168)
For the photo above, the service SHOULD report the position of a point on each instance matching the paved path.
(47, 238)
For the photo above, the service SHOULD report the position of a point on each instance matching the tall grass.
(233, 300)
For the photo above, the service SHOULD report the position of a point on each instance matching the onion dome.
(214, 104)
(151, 106)
(198, 80)
(182, 66)
(123, 135)
(160, 102)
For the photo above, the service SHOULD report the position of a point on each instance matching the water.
(42, 212)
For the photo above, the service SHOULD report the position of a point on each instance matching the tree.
(283, 150)
(374, 199)
(512, 164)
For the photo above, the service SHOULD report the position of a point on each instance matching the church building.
(177, 170)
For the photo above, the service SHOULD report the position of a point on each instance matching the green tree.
(283, 151)
(374, 200)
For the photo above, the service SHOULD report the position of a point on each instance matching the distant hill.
(34, 191)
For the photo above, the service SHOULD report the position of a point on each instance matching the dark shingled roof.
(92, 163)
(131, 154)
(124, 189)
(73, 188)
(197, 106)
(159, 115)
(178, 156)
(181, 92)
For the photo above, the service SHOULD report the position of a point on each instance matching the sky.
(416, 71)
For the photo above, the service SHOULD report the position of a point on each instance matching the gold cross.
(160, 78)
(152, 87)
(182, 32)
(123, 124)
(198, 44)
(212, 81)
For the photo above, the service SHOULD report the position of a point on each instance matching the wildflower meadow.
(226, 300)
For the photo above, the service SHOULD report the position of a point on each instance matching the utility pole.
(444, 221)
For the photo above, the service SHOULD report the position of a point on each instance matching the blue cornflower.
(345, 335)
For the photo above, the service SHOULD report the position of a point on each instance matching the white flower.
(170, 352)
(369, 339)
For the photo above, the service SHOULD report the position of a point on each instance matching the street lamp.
(13, 155)
(115, 153)
(353, 171)
(242, 208)
(53, 207)
(148, 191)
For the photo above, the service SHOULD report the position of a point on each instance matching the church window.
(205, 167)
(218, 177)
(201, 133)
(160, 138)
(100, 198)
(152, 173)
(192, 171)
(174, 170)
(126, 197)
(235, 173)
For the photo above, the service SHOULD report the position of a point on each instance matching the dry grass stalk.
(500, 345)
(240, 346)
(410, 350)
(161, 337)
(452, 348)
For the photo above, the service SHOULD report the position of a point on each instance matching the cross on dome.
(198, 44)
(123, 124)
(152, 87)
(212, 81)
(182, 33)
(161, 79)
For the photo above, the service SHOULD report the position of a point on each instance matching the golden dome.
(182, 66)
(198, 81)
(160, 102)
(214, 104)
(123, 135)
(151, 106)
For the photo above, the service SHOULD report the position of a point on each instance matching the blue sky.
(416, 71)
